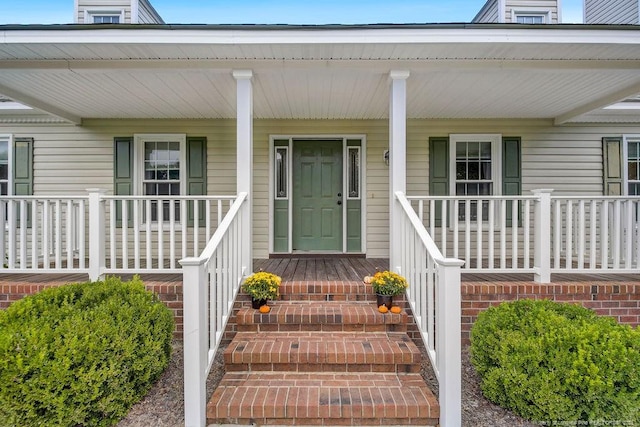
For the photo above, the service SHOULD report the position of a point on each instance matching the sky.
(278, 12)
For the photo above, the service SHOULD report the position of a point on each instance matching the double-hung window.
(162, 170)
(475, 161)
(104, 16)
(531, 16)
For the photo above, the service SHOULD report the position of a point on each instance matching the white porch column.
(96, 234)
(397, 161)
(244, 160)
(542, 236)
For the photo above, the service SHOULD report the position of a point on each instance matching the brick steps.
(323, 399)
(320, 316)
(323, 355)
(322, 351)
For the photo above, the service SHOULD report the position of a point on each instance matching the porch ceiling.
(565, 73)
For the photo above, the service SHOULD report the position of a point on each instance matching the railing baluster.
(35, 259)
(124, 228)
(69, 229)
(112, 233)
(46, 225)
(160, 213)
(58, 234)
(455, 221)
(526, 234)
(593, 238)
(503, 234)
(136, 234)
(628, 234)
(23, 234)
(581, 234)
(604, 234)
(514, 234)
(196, 220)
(557, 234)
(617, 241)
(81, 234)
(148, 235)
(172, 235)
(443, 244)
(479, 216)
(569, 235)
(490, 233)
(467, 232)
(183, 226)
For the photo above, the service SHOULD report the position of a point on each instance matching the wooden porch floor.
(322, 268)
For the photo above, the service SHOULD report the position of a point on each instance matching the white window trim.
(138, 160)
(625, 161)
(9, 139)
(496, 158)
(90, 13)
(545, 13)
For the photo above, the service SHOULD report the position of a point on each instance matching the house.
(521, 12)
(612, 12)
(195, 149)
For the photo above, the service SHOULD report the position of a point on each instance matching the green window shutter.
(123, 174)
(23, 171)
(511, 172)
(438, 171)
(612, 166)
(197, 174)
(23, 167)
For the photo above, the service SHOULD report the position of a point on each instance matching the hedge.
(559, 364)
(81, 354)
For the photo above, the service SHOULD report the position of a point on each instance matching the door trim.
(363, 185)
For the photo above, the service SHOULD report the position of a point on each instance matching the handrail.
(419, 228)
(215, 240)
(211, 282)
(434, 297)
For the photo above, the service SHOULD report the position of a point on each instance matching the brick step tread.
(322, 287)
(309, 313)
(323, 351)
(318, 397)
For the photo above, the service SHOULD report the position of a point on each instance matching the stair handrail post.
(449, 338)
(195, 343)
(97, 252)
(542, 236)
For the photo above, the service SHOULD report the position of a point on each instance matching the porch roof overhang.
(566, 73)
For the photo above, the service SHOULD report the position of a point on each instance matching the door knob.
(339, 194)
(339, 202)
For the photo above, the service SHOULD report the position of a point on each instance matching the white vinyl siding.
(69, 159)
(147, 14)
(611, 12)
(488, 13)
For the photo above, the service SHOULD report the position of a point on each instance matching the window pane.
(4, 171)
(163, 189)
(473, 150)
(281, 172)
(634, 149)
(485, 189)
(150, 189)
(474, 171)
(633, 171)
(461, 150)
(485, 150)
(485, 168)
(461, 170)
(4, 151)
(634, 189)
(3, 189)
(354, 172)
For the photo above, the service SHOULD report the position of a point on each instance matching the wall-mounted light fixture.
(385, 157)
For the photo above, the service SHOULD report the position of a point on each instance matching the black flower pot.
(384, 300)
(257, 303)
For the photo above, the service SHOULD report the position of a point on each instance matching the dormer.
(115, 12)
(519, 11)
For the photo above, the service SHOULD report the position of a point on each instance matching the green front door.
(317, 195)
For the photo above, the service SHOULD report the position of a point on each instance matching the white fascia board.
(324, 36)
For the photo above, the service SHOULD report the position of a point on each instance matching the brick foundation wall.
(620, 300)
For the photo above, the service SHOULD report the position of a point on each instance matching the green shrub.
(81, 354)
(558, 363)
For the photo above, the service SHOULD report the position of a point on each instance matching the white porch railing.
(434, 296)
(210, 285)
(540, 234)
(99, 234)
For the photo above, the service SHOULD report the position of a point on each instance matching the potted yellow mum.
(261, 286)
(386, 285)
